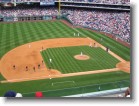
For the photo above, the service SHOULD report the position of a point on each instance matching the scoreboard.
(47, 2)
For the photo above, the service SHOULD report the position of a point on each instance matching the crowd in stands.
(117, 23)
(101, 1)
(10, 12)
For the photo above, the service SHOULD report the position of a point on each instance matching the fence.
(27, 18)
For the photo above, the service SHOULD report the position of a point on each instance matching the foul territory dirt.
(29, 56)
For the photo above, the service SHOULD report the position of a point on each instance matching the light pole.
(59, 8)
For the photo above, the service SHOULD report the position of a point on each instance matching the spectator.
(10, 94)
(116, 23)
(18, 95)
(102, 1)
(127, 92)
(38, 94)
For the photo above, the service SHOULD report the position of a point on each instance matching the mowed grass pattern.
(19, 33)
(83, 84)
(117, 48)
(16, 34)
(64, 61)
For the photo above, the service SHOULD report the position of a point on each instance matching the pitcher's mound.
(81, 57)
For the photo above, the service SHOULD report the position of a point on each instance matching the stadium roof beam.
(106, 8)
(94, 3)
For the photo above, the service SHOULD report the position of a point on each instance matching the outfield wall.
(27, 18)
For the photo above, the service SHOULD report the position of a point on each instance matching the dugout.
(1, 19)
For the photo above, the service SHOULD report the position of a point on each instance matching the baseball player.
(29, 45)
(74, 34)
(99, 88)
(107, 49)
(50, 60)
(81, 53)
(90, 44)
(78, 34)
(49, 67)
(38, 66)
(26, 68)
(34, 69)
(101, 39)
(14, 67)
(94, 44)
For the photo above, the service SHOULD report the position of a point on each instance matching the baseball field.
(58, 59)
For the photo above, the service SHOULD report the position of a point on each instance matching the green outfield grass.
(64, 61)
(88, 83)
(15, 34)
(19, 33)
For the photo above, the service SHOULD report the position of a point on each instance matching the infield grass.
(117, 48)
(64, 61)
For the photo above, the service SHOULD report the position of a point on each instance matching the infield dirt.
(29, 55)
